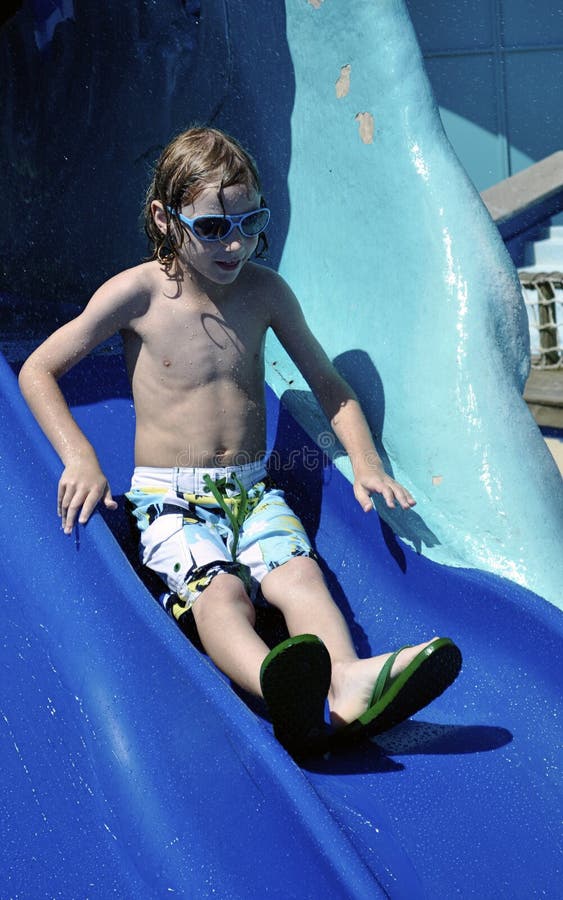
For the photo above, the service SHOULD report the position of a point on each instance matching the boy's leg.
(296, 674)
(174, 540)
(225, 617)
(297, 588)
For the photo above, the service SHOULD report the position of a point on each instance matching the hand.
(375, 480)
(81, 487)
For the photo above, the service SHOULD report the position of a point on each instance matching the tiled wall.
(496, 67)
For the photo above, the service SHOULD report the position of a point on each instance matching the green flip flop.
(425, 678)
(295, 678)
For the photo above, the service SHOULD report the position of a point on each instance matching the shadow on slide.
(131, 768)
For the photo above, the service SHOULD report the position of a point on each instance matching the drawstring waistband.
(192, 479)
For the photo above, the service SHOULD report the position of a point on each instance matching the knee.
(225, 596)
(300, 569)
(294, 577)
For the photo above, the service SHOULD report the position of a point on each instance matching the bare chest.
(193, 347)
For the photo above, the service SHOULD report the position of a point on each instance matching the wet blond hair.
(189, 164)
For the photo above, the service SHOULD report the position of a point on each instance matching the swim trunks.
(197, 523)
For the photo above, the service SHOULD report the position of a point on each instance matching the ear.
(159, 216)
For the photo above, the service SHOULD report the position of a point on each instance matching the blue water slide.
(131, 767)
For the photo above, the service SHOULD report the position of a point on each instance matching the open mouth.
(229, 266)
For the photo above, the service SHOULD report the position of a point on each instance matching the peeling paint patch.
(367, 127)
(316, 3)
(343, 83)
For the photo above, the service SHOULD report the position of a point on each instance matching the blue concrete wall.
(123, 83)
(495, 70)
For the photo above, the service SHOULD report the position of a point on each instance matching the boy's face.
(220, 261)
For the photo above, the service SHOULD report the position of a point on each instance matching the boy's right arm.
(82, 484)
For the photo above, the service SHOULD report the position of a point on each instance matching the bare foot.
(353, 683)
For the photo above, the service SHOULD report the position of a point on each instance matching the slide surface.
(130, 767)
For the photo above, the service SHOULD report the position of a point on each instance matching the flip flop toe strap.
(384, 677)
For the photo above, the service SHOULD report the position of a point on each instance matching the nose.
(235, 239)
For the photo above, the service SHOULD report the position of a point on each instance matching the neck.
(201, 288)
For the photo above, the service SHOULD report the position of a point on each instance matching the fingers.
(388, 495)
(404, 498)
(76, 503)
(109, 502)
(363, 497)
(390, 490)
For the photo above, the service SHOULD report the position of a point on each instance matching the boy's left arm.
(338, 401)
(370, 477)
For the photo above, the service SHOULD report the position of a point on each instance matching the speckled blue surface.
(115, 728)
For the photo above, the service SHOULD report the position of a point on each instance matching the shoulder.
(112, 308)
(140, 280)
(128, 294)
(275, 293)
(266, 277)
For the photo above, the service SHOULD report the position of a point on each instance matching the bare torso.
(197, 371)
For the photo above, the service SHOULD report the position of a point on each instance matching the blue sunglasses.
(217, 228)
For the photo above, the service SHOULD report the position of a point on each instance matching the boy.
(194, 320)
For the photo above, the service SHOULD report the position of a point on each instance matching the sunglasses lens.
(215, 228)
(255, 222)
(211, 228)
